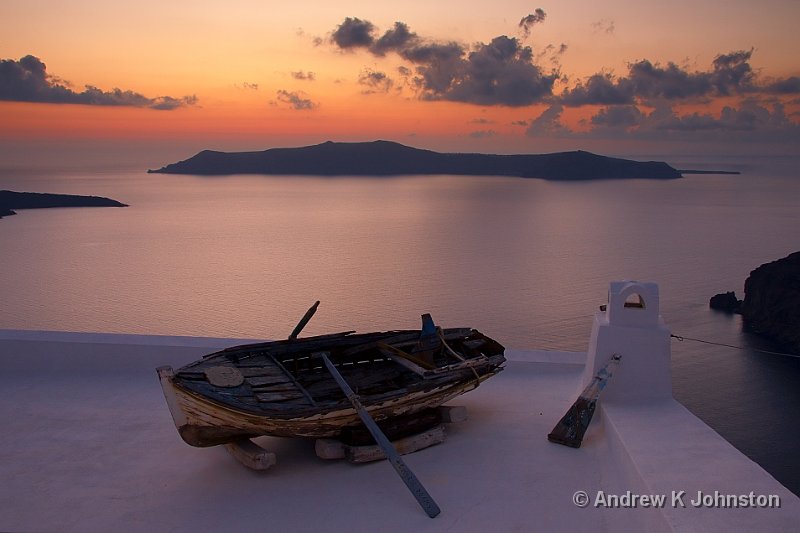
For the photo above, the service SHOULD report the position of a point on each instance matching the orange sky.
(260, 74)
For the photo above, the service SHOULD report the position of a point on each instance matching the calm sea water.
(525, 261)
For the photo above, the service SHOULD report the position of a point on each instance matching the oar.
(303, 321)
(405, 473)
(570, 429)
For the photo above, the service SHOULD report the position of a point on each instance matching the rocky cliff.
(771, 304)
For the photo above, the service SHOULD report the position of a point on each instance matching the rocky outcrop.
(771, 303)
(726, 301)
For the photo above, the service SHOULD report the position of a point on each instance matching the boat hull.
(202, 422)
(281, 388)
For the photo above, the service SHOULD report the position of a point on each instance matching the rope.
(681, 339)
(458, 356)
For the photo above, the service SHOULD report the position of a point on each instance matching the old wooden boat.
(283, 388)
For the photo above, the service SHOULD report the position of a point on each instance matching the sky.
(615, 77)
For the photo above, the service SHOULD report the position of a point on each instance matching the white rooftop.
(88, 444)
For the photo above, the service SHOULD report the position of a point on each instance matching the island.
(771, 305)
(386, 158)
(10, 200)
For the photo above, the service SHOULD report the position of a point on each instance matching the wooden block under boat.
(335, 449)
(251, 454)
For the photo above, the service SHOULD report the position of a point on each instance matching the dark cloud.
(750, 116)
(749, 120)
(375, 81)
(353, 33)
(729, 75)
(397, 39)
(671, 82)
(600, 89)
(619, 116)
(502, 72)
(732, 73)
(785, 86)
(528, 21)
(296, 100)
(404, 71)
(27, 80)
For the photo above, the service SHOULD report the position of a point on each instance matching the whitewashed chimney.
(630, 325)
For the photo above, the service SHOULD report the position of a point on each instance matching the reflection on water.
(525, 261)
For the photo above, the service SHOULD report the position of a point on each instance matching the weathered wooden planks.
(250, 454)
(336, 449)
(288, 392)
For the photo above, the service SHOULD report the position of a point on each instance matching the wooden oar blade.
(570, 430)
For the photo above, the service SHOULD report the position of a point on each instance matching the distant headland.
(385, 158)
(10, 200)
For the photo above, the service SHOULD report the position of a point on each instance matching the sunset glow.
(457, 76)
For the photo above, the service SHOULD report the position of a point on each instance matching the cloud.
(785, 86)
(375, 81)
(482, 134)
(603, 26)
(671, 82)
(600, 89)
(353, 33)
(396, 39)
(502, 72)
(732, 72)
(27, 80)
(166, 103)
(303, 76)
(730, 75)
(548, 123)
(296, 100)
(619, 116)
(750, 116)
(639, 103)
(528, 21)
(748, 121)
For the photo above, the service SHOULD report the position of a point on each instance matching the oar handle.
(303, 321)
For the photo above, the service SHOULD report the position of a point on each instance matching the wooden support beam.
(251, 454)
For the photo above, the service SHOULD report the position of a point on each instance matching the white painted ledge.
(89, 445)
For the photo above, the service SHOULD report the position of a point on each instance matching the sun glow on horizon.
(444, 75)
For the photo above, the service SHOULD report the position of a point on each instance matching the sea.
(525, 261)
